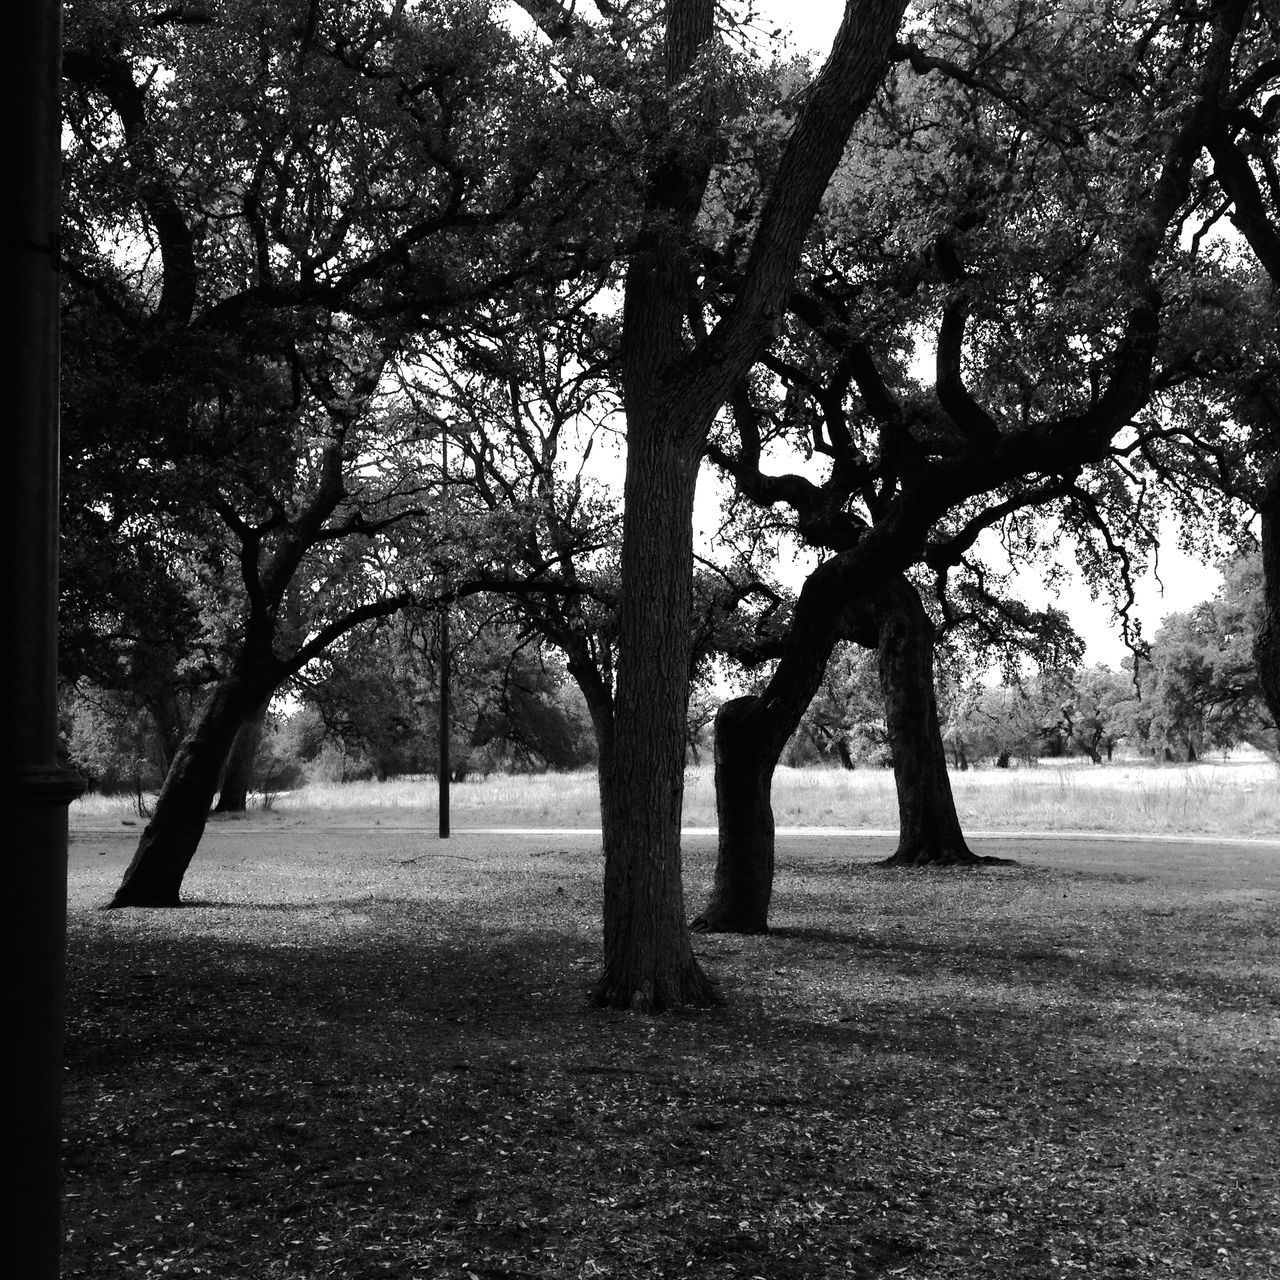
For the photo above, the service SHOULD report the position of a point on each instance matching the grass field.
(365, 1053)
(1239, 797)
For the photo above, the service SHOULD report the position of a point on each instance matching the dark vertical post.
(443, 766)
(36, 790)
(444, 722)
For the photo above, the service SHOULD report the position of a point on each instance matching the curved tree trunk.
(169, 841)
(928, 827)
(750, 735)
(238, 773)
(744, 763)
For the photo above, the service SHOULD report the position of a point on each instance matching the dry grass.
(365, 1053)
(1237, 797)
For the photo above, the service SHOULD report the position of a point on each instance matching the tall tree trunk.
(672, 390)
(928, 827)
(649, 962)
(238, 772)
(169, 841)
(1266, 643)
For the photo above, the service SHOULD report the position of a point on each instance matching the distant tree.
(845, 720)
(1096, 708)
(1200, 683)
(111, 740)
(378, 699)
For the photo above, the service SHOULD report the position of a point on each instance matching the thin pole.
(444, 722)
(36, 790)
(443, 766)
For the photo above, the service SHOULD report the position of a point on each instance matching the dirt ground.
(363, 1051)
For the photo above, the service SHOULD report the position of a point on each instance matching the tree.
(1048, 345)
(1239, 132)
(845, 720)
(1200, 682)
(673, 384)
(1096, 709)
(253, 233)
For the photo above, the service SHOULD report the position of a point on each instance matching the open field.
(1238, 797)
(367, 1053)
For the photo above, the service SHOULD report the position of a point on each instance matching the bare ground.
(368, 1053)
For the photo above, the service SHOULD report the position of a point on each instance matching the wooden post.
(36, 790)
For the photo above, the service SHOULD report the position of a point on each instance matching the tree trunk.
(1266, 643)
(648, 959)
(750, 735)
(745, 758)
(672, 390)
(169, 841)
(238, 774)
(928, 826)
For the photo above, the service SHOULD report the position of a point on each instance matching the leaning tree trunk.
(238, 773)
(745, 758)
(599, 699)
(928, 827)
(1266, 643)
(170, 839)
(648, 958)
(750, 734)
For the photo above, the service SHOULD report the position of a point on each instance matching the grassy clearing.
(367, 1054)
(1237, 797)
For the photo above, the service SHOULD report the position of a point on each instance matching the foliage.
(111, 741)
(264, 206)
(845, 722)
(377, 701)
(1200, 682)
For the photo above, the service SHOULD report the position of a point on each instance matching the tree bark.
(169, 841)
(745, 759)
(929, 831)
(649, 962)
(238, 773)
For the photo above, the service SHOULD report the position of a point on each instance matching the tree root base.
(160, 902)
(942, 856)
(694, 991)
(711, 921)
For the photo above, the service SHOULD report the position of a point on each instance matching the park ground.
(365, 1052)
